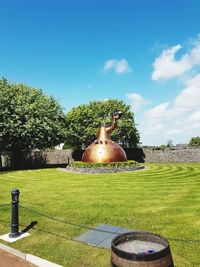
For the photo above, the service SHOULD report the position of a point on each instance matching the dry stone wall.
(58, 157)
(172, 155)
(39, 159)
(36, 159)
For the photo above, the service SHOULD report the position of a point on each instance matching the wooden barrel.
(140, 249)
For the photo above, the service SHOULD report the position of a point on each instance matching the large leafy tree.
(195, 141)
(29, 119)
(83, 122)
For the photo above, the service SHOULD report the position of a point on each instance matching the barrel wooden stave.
(117, 261)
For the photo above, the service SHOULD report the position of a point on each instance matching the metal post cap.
(15, 195)
(15, 191)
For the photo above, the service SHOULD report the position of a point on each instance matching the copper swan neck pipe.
(117, 115)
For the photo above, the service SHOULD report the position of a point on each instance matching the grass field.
(164, 199)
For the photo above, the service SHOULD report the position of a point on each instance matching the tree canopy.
(195, 142)
(28, 118)
(83, 122)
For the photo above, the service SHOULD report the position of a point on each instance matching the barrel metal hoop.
(114, 265)
(138, 257)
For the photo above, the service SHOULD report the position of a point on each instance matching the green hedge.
(125, 164)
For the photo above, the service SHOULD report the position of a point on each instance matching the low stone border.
(29, 258)
(101, 170)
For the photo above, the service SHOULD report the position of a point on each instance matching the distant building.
(181, 146)
(60, 146)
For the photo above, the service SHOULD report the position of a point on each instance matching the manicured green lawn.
(164, 199)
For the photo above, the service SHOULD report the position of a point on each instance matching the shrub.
(125, 164)
(195, 142)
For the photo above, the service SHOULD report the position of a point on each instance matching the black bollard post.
(15, 215)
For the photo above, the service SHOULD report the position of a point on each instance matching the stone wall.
(172, 154)
(35, 159)
(40, 159)
(58, 157)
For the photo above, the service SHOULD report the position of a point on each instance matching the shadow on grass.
(30, 226)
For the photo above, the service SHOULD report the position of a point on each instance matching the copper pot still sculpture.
(103, 149)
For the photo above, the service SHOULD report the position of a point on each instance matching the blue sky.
(145, 52)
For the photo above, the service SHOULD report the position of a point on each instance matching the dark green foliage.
(67, 146)
(83, 123)
(195, 142)
(28, 118)
(161, 147)
(126, 164)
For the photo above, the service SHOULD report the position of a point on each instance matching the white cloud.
(174, 131)
(119, 66)
(166, 66)
(136, 100)
(158, 112)
(194, 55)
(194, 120)
(189, 98)
(178, 120)
(195, 117)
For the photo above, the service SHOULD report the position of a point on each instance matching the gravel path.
(102, 170)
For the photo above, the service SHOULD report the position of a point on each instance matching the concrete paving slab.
(92, 237)
(106, 243)
(12, 240)
(102, 239)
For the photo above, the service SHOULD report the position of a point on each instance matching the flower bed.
(105, 167)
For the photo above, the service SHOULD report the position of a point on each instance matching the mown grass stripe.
(163, 199)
